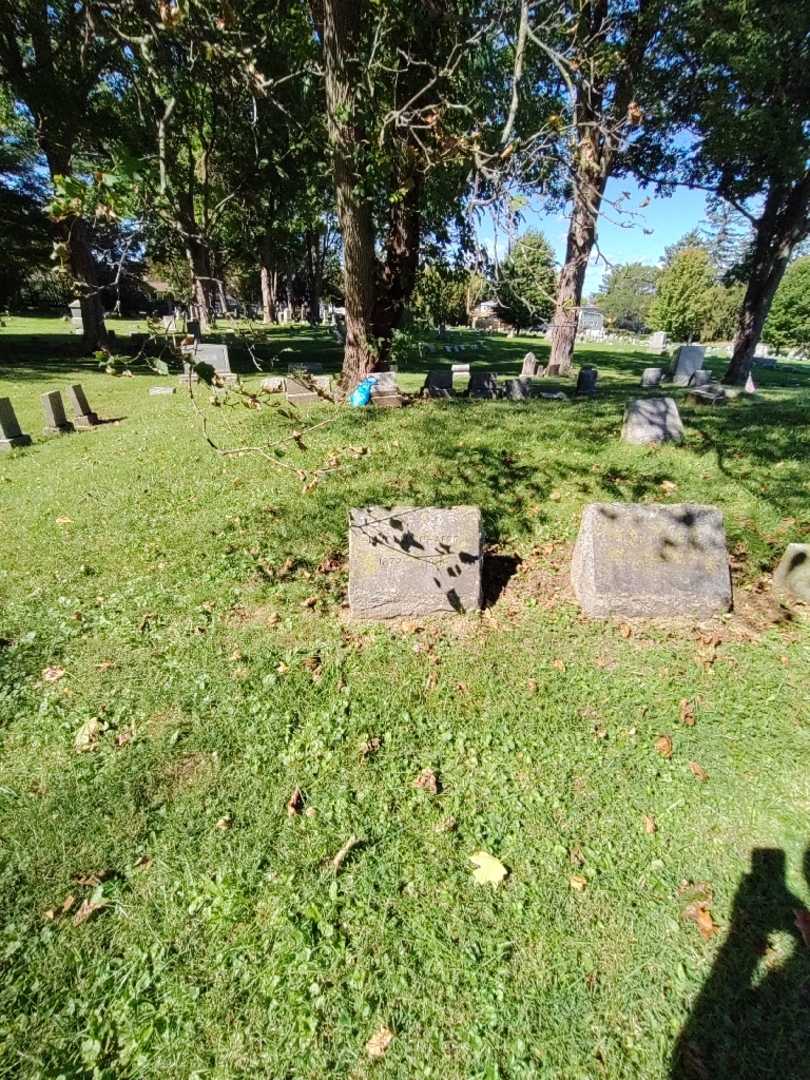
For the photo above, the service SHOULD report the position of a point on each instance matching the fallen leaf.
(668, 486)
(144, 862)
(310, 602)
(105, 665)
(663, 746)
(310, 811)
(555, 496)
(64, 521)
(575, 857)
(803, 925)
(427, 781)
(558, 664)
(578, 882)
(370, 746)
(687, 712)
(341, 856)
(295, 803)
(626, 630)
(281, 668)
(650, 825)
(89, 907)
(698, 912)
(146, 618)
(53, 674)
(93, 879)
(489, 870)
(68, 903)
(224, 823)
(87, 735)
(273, 618)
(698, 771)
(531, 686)
(123, 737)
(447, 824)
(379, 1042)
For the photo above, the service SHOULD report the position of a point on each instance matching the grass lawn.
(196, 605)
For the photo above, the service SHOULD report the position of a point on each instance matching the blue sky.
(622, 235)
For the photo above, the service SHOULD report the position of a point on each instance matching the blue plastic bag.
(361, 395)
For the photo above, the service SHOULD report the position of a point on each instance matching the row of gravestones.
(630, 560)
(56, 421)
(486, 385)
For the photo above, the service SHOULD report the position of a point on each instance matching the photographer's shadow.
(752, 1021)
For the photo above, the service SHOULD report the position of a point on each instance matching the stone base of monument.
(792, 575)
(86, 420)
(17, 440)
(651, 561)
(59, 429)
(302, 391)
(385, 392)
(519, 389)
(652, 420)
(407, 561)
(709, 394)
(651, 377)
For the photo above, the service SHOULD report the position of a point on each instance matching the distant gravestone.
(438, 384)
(312, 367)
(483, 384)
(519, 389)
(215, 355)
(304, 390)
(657, 342)
(792, 575)
(700, 378)
(193, 328)
(529, 368)
(639, 560)
(407, 562)
(56, 423)
(83, 415)
(688, 358)
(460, 369)
(651, 377)
(11, 433)
(710, 394)
(155, 391)
(651, 420)
(76, 321)
(586, 381)
(385, 393)
(273, 384)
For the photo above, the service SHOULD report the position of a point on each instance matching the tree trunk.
(782, 224)
(581, 239)
(313, 277)
(268, 294)
(401, 261)
(341, 20)
(203, 286)
(83, 270)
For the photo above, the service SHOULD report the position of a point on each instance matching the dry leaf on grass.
(64, 521)
(89, 907)
(803, 925)
(578, 882)
(668, 486)
(225, 823)
(427, 781)
(626, 630)
(295, 803)
(310, 602)
(144, 862)
(370, 746)
(698, 771)
(650, 825)
(87, 736)
(445, 825)
(105, 665)
(123, 737)
(559, 665)
(663, 746)
(687, 710)
(342, 855)
(488, 869)
(93, 879)
(379, 1042)
(699, 913)
(53, 674)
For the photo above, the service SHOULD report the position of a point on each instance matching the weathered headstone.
(155, 391)
(688, 358)
(76, 321)
(701, 377)
(651, 377)
(385, 392)
(483, 384)
(303, 390)
(438, 384)
(11, 433)
(657, 342)
(529, 367)
(460, 369)
(407, 562)
(651, 560)
(56, 423)
(273, 384)
(710, 394)
(519, 389)
(586, 380)
(83, 415)
(215, 355)
(652, 420)
(792, 575)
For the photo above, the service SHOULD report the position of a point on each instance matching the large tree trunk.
(313, 268)
(203, 285)
(398, 275)
(581, 239)
(268, 282)
(83, 270)
(782, 224)
(340, 25)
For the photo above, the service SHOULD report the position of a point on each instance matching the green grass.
(235, 952)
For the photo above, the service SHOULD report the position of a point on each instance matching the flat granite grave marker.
(83, 415)
(529, 367)
(651, 377)
(438, 384)
(56, 423)
(154, 391)
(586, 381)
(792, 575)
(483, 384)
(651, 560)
(651, 420)
(385, 393)
(11, 434)
(701, 377)
(688, 358)
(302, 391)
(407, 561)
(709, 394)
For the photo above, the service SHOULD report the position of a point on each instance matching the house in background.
(591, 323)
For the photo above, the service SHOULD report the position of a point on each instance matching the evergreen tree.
(526, 281)
(626, 295)
(788, 325)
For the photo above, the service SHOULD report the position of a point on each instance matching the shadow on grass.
(751, 1020)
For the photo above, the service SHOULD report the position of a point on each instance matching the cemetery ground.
(177, 662)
